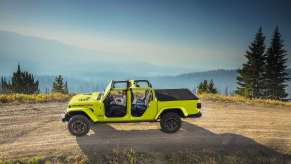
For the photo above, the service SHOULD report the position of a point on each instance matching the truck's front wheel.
(79, 125)
(170, 122)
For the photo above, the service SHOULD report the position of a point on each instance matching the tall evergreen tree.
(66, 90)
(202, 87)
(207, 87)
(211, 87)
(4, 85)
(250, 79)
(276, 74)
(59, 85)
(17, 81)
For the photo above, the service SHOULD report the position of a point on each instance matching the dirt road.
(35, 129)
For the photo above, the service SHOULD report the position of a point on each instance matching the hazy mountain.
(223, 79)
(44, 56)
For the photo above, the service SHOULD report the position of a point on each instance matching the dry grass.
(240, 99)
(33, 98)
(130, 156)
(208, 156)
(79, 159)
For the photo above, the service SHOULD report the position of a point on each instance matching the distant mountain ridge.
(225, 80)
(219, 72)
(54, 57)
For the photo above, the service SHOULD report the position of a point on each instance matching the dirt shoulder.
(35, 129)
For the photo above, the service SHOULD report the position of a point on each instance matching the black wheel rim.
(171, 124)
(78, 127)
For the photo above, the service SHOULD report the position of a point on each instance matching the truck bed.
(174, 94)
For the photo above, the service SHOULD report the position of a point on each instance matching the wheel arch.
(85, 112)
(179, 111)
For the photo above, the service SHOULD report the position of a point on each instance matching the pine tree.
(4, 85)
(211, 87)
(17, 81)
(66, 90)
(276, 74)
(59, 85)
(207, 87)
(202, 87)
(251, 79)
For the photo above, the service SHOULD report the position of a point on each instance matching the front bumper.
(197, 115)
(65, 117)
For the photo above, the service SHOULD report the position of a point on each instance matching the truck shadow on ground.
(189, 138)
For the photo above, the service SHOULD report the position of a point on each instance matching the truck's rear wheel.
(170, 122)
(79, 125)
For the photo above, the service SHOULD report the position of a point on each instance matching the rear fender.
(166, 109)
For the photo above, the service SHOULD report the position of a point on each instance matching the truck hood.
(84, 99)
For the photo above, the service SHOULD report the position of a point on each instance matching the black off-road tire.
(170, 122)
(79, 125)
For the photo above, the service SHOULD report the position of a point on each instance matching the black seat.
(140, 107)
(115, 111)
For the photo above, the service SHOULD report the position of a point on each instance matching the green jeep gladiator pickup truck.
(131, 101)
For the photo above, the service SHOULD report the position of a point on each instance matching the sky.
(195, 35)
